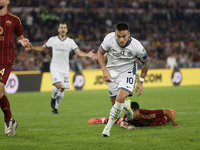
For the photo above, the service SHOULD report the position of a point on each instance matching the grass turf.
(40, 129)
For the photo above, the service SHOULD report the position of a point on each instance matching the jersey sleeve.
(105, 44)
(18, 27)
(141, 53)
(48, 44)
(159, 113)
(74, 46)
(125, 118)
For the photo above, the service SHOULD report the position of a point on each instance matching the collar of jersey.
(127, 44)
(60, 39)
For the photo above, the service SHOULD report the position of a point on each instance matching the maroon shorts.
(5, 70)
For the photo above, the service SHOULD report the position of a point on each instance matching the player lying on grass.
(142, 117)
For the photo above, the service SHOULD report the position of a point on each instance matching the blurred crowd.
(166, 28)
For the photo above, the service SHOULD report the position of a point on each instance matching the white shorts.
(63, 78)
(125, 81)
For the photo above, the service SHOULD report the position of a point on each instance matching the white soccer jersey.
(60, 52)
(122, 59)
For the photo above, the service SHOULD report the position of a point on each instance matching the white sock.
(115, 112)
(54, 92)
(59, 98)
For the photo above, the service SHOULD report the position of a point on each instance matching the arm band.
(141, 79)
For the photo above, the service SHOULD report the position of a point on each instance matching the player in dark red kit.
(142, 117)
(145, 117)
(9, 25)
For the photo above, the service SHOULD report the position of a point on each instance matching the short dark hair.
(135, 105)
(122, 26)
(61, 23)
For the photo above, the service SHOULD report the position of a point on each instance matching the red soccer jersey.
(9, 24)
(148, 118)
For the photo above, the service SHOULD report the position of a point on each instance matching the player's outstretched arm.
(91, 54)
(38, 48)
(139, 87)
(125, 125)
(168, 113)
(24, 42)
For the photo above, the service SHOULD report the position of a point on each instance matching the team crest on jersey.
(8, 22)
(127, 53)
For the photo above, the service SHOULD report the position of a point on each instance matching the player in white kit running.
(61, 46)
(121, 70)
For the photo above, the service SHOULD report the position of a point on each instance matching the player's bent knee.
(58, 85)
(62, 90)
(121, 97)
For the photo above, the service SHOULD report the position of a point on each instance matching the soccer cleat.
(129, 112)
(129, 103)
(173, 112)
(92, 121)
(8, 125)
(53, 101)
(95, 121)
(55, 111)
(13, 132)
(106, 132)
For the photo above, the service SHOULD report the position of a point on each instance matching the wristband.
(141, 79)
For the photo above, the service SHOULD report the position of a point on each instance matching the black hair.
(135, 105)
(122, 26)
(61, 23)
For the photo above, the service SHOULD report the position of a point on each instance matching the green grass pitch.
(40, 129)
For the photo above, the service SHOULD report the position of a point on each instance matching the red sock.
(106, 120)
(117, 120)
(5, 107)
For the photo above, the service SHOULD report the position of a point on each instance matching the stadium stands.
(163, 26)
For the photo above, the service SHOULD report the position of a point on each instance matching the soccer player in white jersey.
(121, 70)
(61, 46)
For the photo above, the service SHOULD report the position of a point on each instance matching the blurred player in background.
(121, 70)
(61, 46)
(9, 25)
(142, 117)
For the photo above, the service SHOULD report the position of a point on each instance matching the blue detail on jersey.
(113, 96)
(143, 58)
(56, 82)
(47, 46)
(134, 68)
(126, 119)
(60, 39)
(130, 93)
(127, 44)
(75, 49)
(103, 49)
